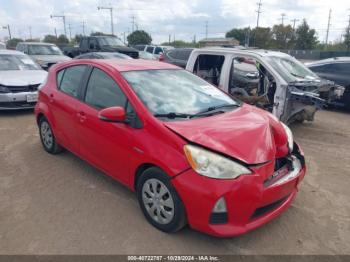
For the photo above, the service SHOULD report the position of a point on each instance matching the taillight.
(161, 57)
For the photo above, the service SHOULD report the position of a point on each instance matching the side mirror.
(113, 114)
(92, 46)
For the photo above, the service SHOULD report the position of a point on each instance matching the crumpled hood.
(247, 134)
(22, 77)
(51, 58)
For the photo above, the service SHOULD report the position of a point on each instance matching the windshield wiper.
(173, 115)
(213, 108)
(296, 75)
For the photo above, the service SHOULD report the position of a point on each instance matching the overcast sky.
(182, 18)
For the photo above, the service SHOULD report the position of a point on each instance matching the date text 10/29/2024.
(173, 258)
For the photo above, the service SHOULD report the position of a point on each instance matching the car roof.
(259, 52)
(124, 65)
(329, 61)
(10, 52)
(35, 43)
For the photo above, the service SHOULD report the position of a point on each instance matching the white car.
(20, 78)
(2, 46)
(153, 49)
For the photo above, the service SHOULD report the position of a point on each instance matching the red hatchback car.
(191, 152)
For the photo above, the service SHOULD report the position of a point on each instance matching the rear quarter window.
(69, 81)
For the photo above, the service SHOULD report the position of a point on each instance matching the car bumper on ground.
(251, 200)
(15, 101)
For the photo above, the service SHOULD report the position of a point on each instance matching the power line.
(259, 12)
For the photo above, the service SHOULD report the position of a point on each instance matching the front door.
(106, 145)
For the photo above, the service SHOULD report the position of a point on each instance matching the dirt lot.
(61, 205)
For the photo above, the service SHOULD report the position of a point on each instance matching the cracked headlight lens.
(210, 164)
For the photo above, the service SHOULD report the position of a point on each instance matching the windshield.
(175, 91)
(43, 50)
(110, 41)
(17, 62)
(291, 69)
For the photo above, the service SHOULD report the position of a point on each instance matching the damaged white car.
(274, 81)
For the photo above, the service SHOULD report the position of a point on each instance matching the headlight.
(212, 165)
(289, 136)
(4, 89)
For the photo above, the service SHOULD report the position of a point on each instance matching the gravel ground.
(61, 205)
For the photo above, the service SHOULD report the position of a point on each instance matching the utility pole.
(169, 39)
(83, 28)
(294, 22)
(206, 29)
(70, 32)
(9, 30)
(64, 21)
(347, 38)
(329, 25)
(55, 32)
(132, 24)
(111, 12)
(259, 12)
(283, 15)
(124, 37)
(30, 32)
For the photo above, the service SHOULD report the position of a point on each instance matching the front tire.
(47, 137)
(159, 201)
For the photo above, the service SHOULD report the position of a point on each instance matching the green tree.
(347, 39)
(282, 35)
(62, 39)
(261, 37)
(139, 37)
(305, 37)
(77, 38)
(50, 39)
(240, 34)
(12, 43)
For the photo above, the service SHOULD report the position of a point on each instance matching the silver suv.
(45, 54)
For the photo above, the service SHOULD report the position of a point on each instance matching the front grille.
(268, 208)
(19, 104)
(19, 89)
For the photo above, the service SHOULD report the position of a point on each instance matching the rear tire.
(47, 137)
(159, 201)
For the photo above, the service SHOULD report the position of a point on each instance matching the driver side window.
(103, 92)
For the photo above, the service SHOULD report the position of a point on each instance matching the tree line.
(286, 37)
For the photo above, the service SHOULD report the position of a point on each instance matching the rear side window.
(172, 54)
(184, 54)
(150, 49)
(103, 92)
(69, 80)
(158, 50)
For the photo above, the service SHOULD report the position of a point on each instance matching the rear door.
(104, 144)
(63, 105)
